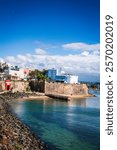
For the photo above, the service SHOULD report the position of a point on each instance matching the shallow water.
(73, 125)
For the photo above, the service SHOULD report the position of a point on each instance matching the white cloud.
(40, 51)
(21, 58)
(10, 59)
(1, 60)
(96, 52)
(81, 46)
(84, 63)
(85, 53)
(87, 62)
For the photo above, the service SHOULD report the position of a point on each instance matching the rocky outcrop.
(14, 135)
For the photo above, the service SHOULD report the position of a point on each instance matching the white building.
(20, 73)
(72, 79)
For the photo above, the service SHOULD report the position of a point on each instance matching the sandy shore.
(43, 97)
(33, 98)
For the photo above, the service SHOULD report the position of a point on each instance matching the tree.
(32, 75)
(3, 67)
(37, 74)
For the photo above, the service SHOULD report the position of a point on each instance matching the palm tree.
(37, 74)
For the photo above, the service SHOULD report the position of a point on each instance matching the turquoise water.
(73, 125)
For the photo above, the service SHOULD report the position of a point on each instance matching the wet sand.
(33, 98)
(44, 97)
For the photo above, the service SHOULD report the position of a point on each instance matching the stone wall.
(48, 88)
(17, 86)
(2, 86)
(67, 89)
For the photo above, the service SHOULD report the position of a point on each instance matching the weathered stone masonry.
(67, 89)
(17, 86)
(48, 87)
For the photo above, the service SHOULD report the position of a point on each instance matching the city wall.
(66, 89)
(47, 87)
(17, 86)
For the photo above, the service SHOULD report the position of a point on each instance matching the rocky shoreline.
(14, 135)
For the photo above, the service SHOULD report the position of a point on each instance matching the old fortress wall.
(17, 86)
(48, 87)
(67, 89)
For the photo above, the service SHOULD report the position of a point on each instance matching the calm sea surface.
(73, 125)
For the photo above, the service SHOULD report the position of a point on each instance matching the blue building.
(51, 73)
(66, 78)
(61, 78)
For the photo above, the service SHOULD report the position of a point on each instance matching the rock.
(13, 133)
(4, 140)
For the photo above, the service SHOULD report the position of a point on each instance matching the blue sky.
(52, 29)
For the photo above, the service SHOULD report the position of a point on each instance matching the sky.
(52, 34)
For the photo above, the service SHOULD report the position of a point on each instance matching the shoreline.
(33, 98)
(46, 97)
(14, 134)
(69, 97)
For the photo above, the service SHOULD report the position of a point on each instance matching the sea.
(62, 125)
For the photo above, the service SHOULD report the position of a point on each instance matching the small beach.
(33, 98)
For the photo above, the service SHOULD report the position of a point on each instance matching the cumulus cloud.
(85, 53)
(10, 59)
(70, 63)
(86, 62)
(40, 51)
(81, 46)
(1, 60)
